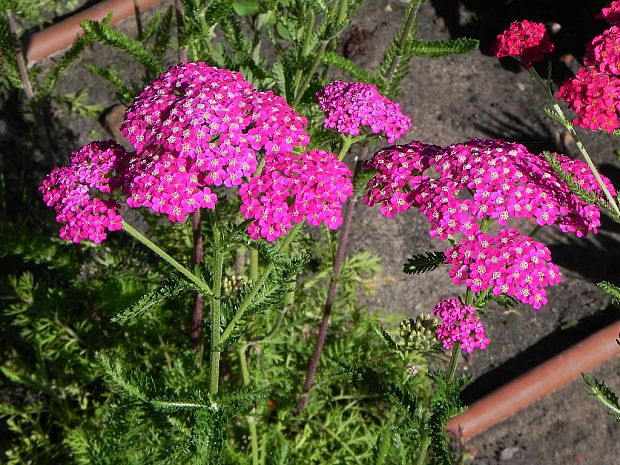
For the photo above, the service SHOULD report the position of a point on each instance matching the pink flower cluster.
(460, 324)
(476, 180)
(595, 97)
(611, 13)
(594, 93)
(509, 263)
(526, 40)
(292, 187)
(350, 105)
(197, 126)
(70, 191)
(603, 52)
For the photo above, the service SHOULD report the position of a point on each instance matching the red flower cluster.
(526, 40)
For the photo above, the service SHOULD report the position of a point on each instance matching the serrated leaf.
(421, 263)
(441, 48)
(612, 290)
(604, 394)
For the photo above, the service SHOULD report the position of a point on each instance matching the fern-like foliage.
(587, 196)
(104, 33)
(423, 262)
(175, 284)
(604, 394)
(442, 48)
(124, 93)
(356, 72)
(445, 404)
(612, 290)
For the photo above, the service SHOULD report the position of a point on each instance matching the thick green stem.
(245, 374)
(256, 286)
(409, 22)
(305, 51)
(306, 82)
(171, 261)
(571, 129)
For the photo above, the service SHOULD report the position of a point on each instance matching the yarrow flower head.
(197, 126)
(504, 181)
(595, 97)
(349, 106)
(603, 52)
(460, 324)
(77, 192)
(290, 188)
(508, 263)
(526, 40)
(611, 13)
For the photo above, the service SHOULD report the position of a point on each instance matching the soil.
(451, 100)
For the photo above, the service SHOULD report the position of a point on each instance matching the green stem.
(253, 265)
(216, 352)
(245, 374)
(257, 285)
(384, 447)
(423, 450)
(305, 51)
(535, 230)
(171, 261)
(306, 82)
(347, 142)
(454, 358)
(409, 22)
(571, 129)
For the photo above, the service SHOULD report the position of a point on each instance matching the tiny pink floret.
(526, 40)
(460, 324)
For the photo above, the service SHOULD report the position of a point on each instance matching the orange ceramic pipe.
(535, 384)
(61, 35)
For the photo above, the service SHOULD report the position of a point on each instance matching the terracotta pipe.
(61, 35)
(535, 384)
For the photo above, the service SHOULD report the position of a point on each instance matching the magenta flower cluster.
(460, 324)
(195, 129)
(291, 188)
(611, 13)
(79, 193)
(479, 179)
(594, 93)
(526, 40)
(603, 52)
(350, 106)
(595, 97)
(196, 126)
(508, 263)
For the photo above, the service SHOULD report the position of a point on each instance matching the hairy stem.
(384, 447)
(167, 258)
(454, 358)
(308, 78)
(423, 450)
(409, 22)
(199, 298)
(571, 129)
(253, 265)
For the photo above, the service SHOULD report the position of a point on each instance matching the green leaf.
(612, 290)
(246, 7)
(604, 394)
(346, 65)
(423, 262)
(442, 48)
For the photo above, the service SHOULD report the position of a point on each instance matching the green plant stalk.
(454, 358)
(306, 82)
(218, 267)
(384, 447)
(305, 50)
(409, 22)
(245, 375)
(423, 450)
(257, 286)
(167, 258)
(253, 265)
(571, 129)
